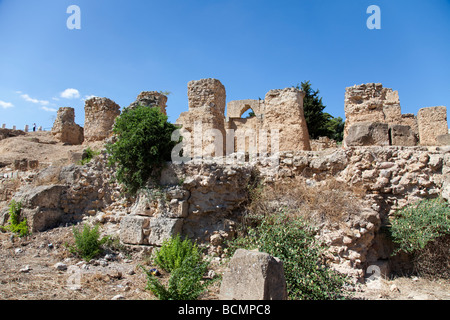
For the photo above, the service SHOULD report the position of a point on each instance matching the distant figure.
(34, 127)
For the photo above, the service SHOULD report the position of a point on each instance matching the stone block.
(253, 275)
(402, 135)
(432, 123)
(162, 229)
(368, 134)
(132, 229)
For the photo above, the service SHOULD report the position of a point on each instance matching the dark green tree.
(143, 144)
(319, 123)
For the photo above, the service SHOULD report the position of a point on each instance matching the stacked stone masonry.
(373, 117)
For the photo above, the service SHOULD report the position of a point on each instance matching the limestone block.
(253, 276)
(162, 229)
(402, 135)
(432, 123)
(132, 229)
(368, 134)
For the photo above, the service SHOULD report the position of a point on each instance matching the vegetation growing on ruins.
(186, 266)
(87, 242)
(143, 144)
(423, 230)
(292, 240)
(17, 225)
(320, 123)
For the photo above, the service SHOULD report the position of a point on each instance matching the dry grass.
(328, 201)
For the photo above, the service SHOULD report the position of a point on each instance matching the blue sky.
(125, 47)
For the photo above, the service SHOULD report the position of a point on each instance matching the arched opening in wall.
(247, 112)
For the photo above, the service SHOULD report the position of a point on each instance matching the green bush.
(416, 225)
(293, 241)
(174, 251)
(184, 261)
(15, 224)
(87, 242)
(185, 282)
(422, 230)
(143, 145)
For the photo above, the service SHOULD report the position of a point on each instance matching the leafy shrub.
(293, 241)
(174, 251)
(414, 226)
(184, 261)
(15, 224)
(87, 242)
(143, 145)
(422, 230)
(185, 283)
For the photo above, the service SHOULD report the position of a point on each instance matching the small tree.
(143, 145)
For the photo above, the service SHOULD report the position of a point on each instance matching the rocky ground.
(40, 267)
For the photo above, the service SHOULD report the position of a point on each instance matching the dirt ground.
(28, 272)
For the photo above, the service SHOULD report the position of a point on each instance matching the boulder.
(253, 275)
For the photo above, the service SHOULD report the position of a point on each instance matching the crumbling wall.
(369, 105)
(65, 129)
(204, 124)
(151, 99)
(100, 115)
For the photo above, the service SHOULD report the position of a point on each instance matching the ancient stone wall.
(65, 129)
(370, 105)
(204, 124)
(100, 114)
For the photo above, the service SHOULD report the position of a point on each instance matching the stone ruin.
(65, 129)
(280, 115)
(100, 114)
(373, 117)
(396, 158)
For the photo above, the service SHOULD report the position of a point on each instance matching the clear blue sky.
(251, 46)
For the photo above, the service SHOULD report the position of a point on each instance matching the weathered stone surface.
(432, 123)
(371, 103)
(65, 129)
(162, 229)
(41, 206)
(443, 140)
(132, 229)
(151, 99)
(100, 114)
(402, 135)
(253, 276)
(204, 124)
(284, 112)
(368, 134)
